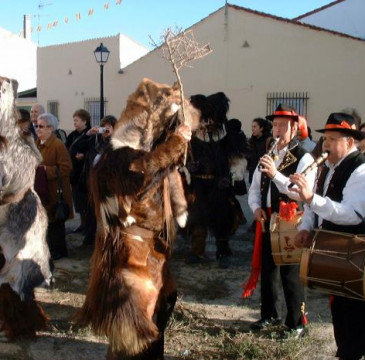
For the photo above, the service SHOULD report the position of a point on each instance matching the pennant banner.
(66, 19)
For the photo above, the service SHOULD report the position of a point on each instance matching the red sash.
(251, 284)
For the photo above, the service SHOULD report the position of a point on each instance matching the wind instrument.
(320, 160)
(270, 151)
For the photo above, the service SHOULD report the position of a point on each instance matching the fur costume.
(137, 192)
(216, 160)
(24, 254)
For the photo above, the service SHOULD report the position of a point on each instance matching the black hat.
(285, 111)
(344, 123)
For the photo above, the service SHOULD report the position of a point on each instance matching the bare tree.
(181, 48)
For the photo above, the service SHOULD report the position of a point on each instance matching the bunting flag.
(66, 19)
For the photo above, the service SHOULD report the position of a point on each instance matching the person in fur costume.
(137, 192)
(215, 161)
(24, 254)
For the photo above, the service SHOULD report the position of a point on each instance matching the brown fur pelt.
(25, 258)
(137, 192)
(20, 318)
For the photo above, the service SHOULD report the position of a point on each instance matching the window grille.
(298, 100)
(92, 105)
(52, 108)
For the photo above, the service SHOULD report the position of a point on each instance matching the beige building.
(258, 60)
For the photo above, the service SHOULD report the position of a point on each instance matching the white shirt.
(340, 213)
(280, 180)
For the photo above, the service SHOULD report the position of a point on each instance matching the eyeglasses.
(41, 126)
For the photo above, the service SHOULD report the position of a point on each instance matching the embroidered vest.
(287, 167)
(335, 190)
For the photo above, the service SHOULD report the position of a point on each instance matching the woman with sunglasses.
(55, 155)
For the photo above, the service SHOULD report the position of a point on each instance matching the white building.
(345, 16)
(69, 76)
(18, 58)
(258, 60)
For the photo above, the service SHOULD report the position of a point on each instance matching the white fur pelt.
(238, 166)
(24, 254)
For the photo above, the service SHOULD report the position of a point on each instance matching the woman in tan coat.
(55, 154)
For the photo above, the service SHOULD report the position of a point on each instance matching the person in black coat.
(78, 146)
(261, 131)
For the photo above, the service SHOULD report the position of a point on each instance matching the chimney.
(26, 28)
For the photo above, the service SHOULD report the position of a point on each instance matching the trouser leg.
(269, 282)
(294, 295)
(198, 235)
(56, 238)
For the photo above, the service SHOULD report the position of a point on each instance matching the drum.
(335, 264)
(282, 235)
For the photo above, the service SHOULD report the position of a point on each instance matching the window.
(92, 105)
(52, 108)
(298, 100)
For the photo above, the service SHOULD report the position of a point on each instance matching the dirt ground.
(210, 321)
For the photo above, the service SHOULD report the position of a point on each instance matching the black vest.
(286, 168)
(335, 190)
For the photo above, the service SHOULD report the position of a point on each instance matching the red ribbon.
(250, 286)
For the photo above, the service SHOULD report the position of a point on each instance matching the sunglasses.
(41, 126)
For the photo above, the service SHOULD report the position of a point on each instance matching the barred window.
(52, 107)
(92, 105)
(298, 100)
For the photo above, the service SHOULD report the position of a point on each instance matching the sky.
(55, 21)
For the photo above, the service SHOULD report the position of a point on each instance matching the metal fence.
(298, 100)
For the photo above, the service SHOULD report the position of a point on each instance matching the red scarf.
(251, 284)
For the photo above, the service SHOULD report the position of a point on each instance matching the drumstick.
(313, 165)
(262, 221)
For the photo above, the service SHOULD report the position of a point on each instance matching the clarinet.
(271, 149)
(320, 160)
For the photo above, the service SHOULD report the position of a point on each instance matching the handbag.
(61, 210)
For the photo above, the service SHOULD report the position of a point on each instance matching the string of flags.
(78, 16)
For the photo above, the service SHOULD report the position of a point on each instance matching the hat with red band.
(343, 123)
(284, 111)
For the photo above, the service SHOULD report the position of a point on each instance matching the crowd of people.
(67, 160)
(218, 157)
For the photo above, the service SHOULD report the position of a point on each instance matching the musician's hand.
(303, 189)
(185, 131)
(260, 215)
(268, 166)
(302, 239)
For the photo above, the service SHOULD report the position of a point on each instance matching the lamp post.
(101, 55)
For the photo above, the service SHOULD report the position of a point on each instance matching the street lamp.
(101, 55)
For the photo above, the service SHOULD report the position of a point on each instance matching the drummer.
(338, 205)
(268, 188)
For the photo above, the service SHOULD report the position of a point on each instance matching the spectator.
(35, 111)
(307, 143)
(24, 121)
(261, 131)
(55, 155)
(99, 141)
(78, 146)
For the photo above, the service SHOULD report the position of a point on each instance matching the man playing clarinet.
(269, 187)
(338, 205)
